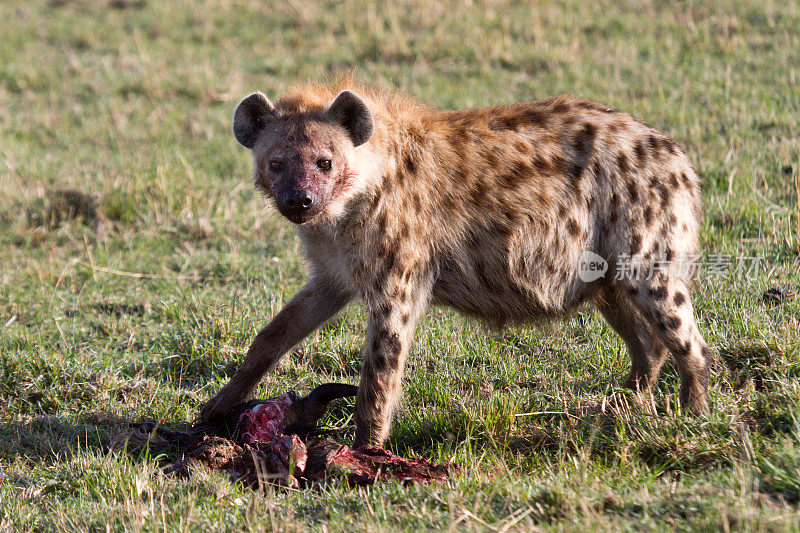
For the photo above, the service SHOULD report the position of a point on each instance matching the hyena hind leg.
(646, 351)
(666, 304)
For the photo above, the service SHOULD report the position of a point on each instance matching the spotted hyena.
(490, 211)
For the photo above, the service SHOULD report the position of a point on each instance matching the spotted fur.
(487, 211)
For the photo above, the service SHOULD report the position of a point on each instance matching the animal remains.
(276, 441)
(490, 211)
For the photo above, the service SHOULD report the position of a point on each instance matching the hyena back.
(490, 211)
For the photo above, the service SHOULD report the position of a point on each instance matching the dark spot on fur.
(633, 291)
(673, 180)
(614, 210)
(541, 164)
(648, 214)
(666, 195)
(584, 140)
(379, 361)
(513, 120)
(572, 227)
(641, 153)
(382, 223)
(479, 195)
(491, 158)
(374, 204)
(636, 244)
(594, 106)
(390, 260)
(456, 138)
(655, 145)
(384, 310)
(460, 173)
(708, 355)
(686, 182)
(405, 318)
(399, 268)
(417, 203)
(596, 170)
(672, 322)
(515, 175)
(622, 163)
(535, 117)
(418, 135)
(685, 349)
(394, 344)
(560, 106)
(376, 344)
(574, 170)
(511, 215)
(679, 299)
(449, 203)
(668, 253)
(632, 191)
(387, 183)
(659, 293)
(382, 250)
(559, 165)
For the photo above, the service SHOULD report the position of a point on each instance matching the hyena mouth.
(299, 217)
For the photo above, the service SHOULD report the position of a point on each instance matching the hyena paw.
(218, 406)
(368, 439)
(697, 402)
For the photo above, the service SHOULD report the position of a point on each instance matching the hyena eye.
(324, 164)
(276, 166)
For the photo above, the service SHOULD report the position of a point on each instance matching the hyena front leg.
(310, 308)
(392, 320)
(667, 305)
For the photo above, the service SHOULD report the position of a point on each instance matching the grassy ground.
(129, 101)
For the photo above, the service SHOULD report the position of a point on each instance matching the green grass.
(129, 102)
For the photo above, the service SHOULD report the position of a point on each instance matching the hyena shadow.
(48, 439)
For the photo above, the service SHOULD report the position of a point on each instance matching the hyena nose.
(298, 201)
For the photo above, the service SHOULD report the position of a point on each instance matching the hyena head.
(304, 160)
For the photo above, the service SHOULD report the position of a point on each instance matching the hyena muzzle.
(495, 212)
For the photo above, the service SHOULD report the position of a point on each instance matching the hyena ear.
(252, 115)
(351, 111)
